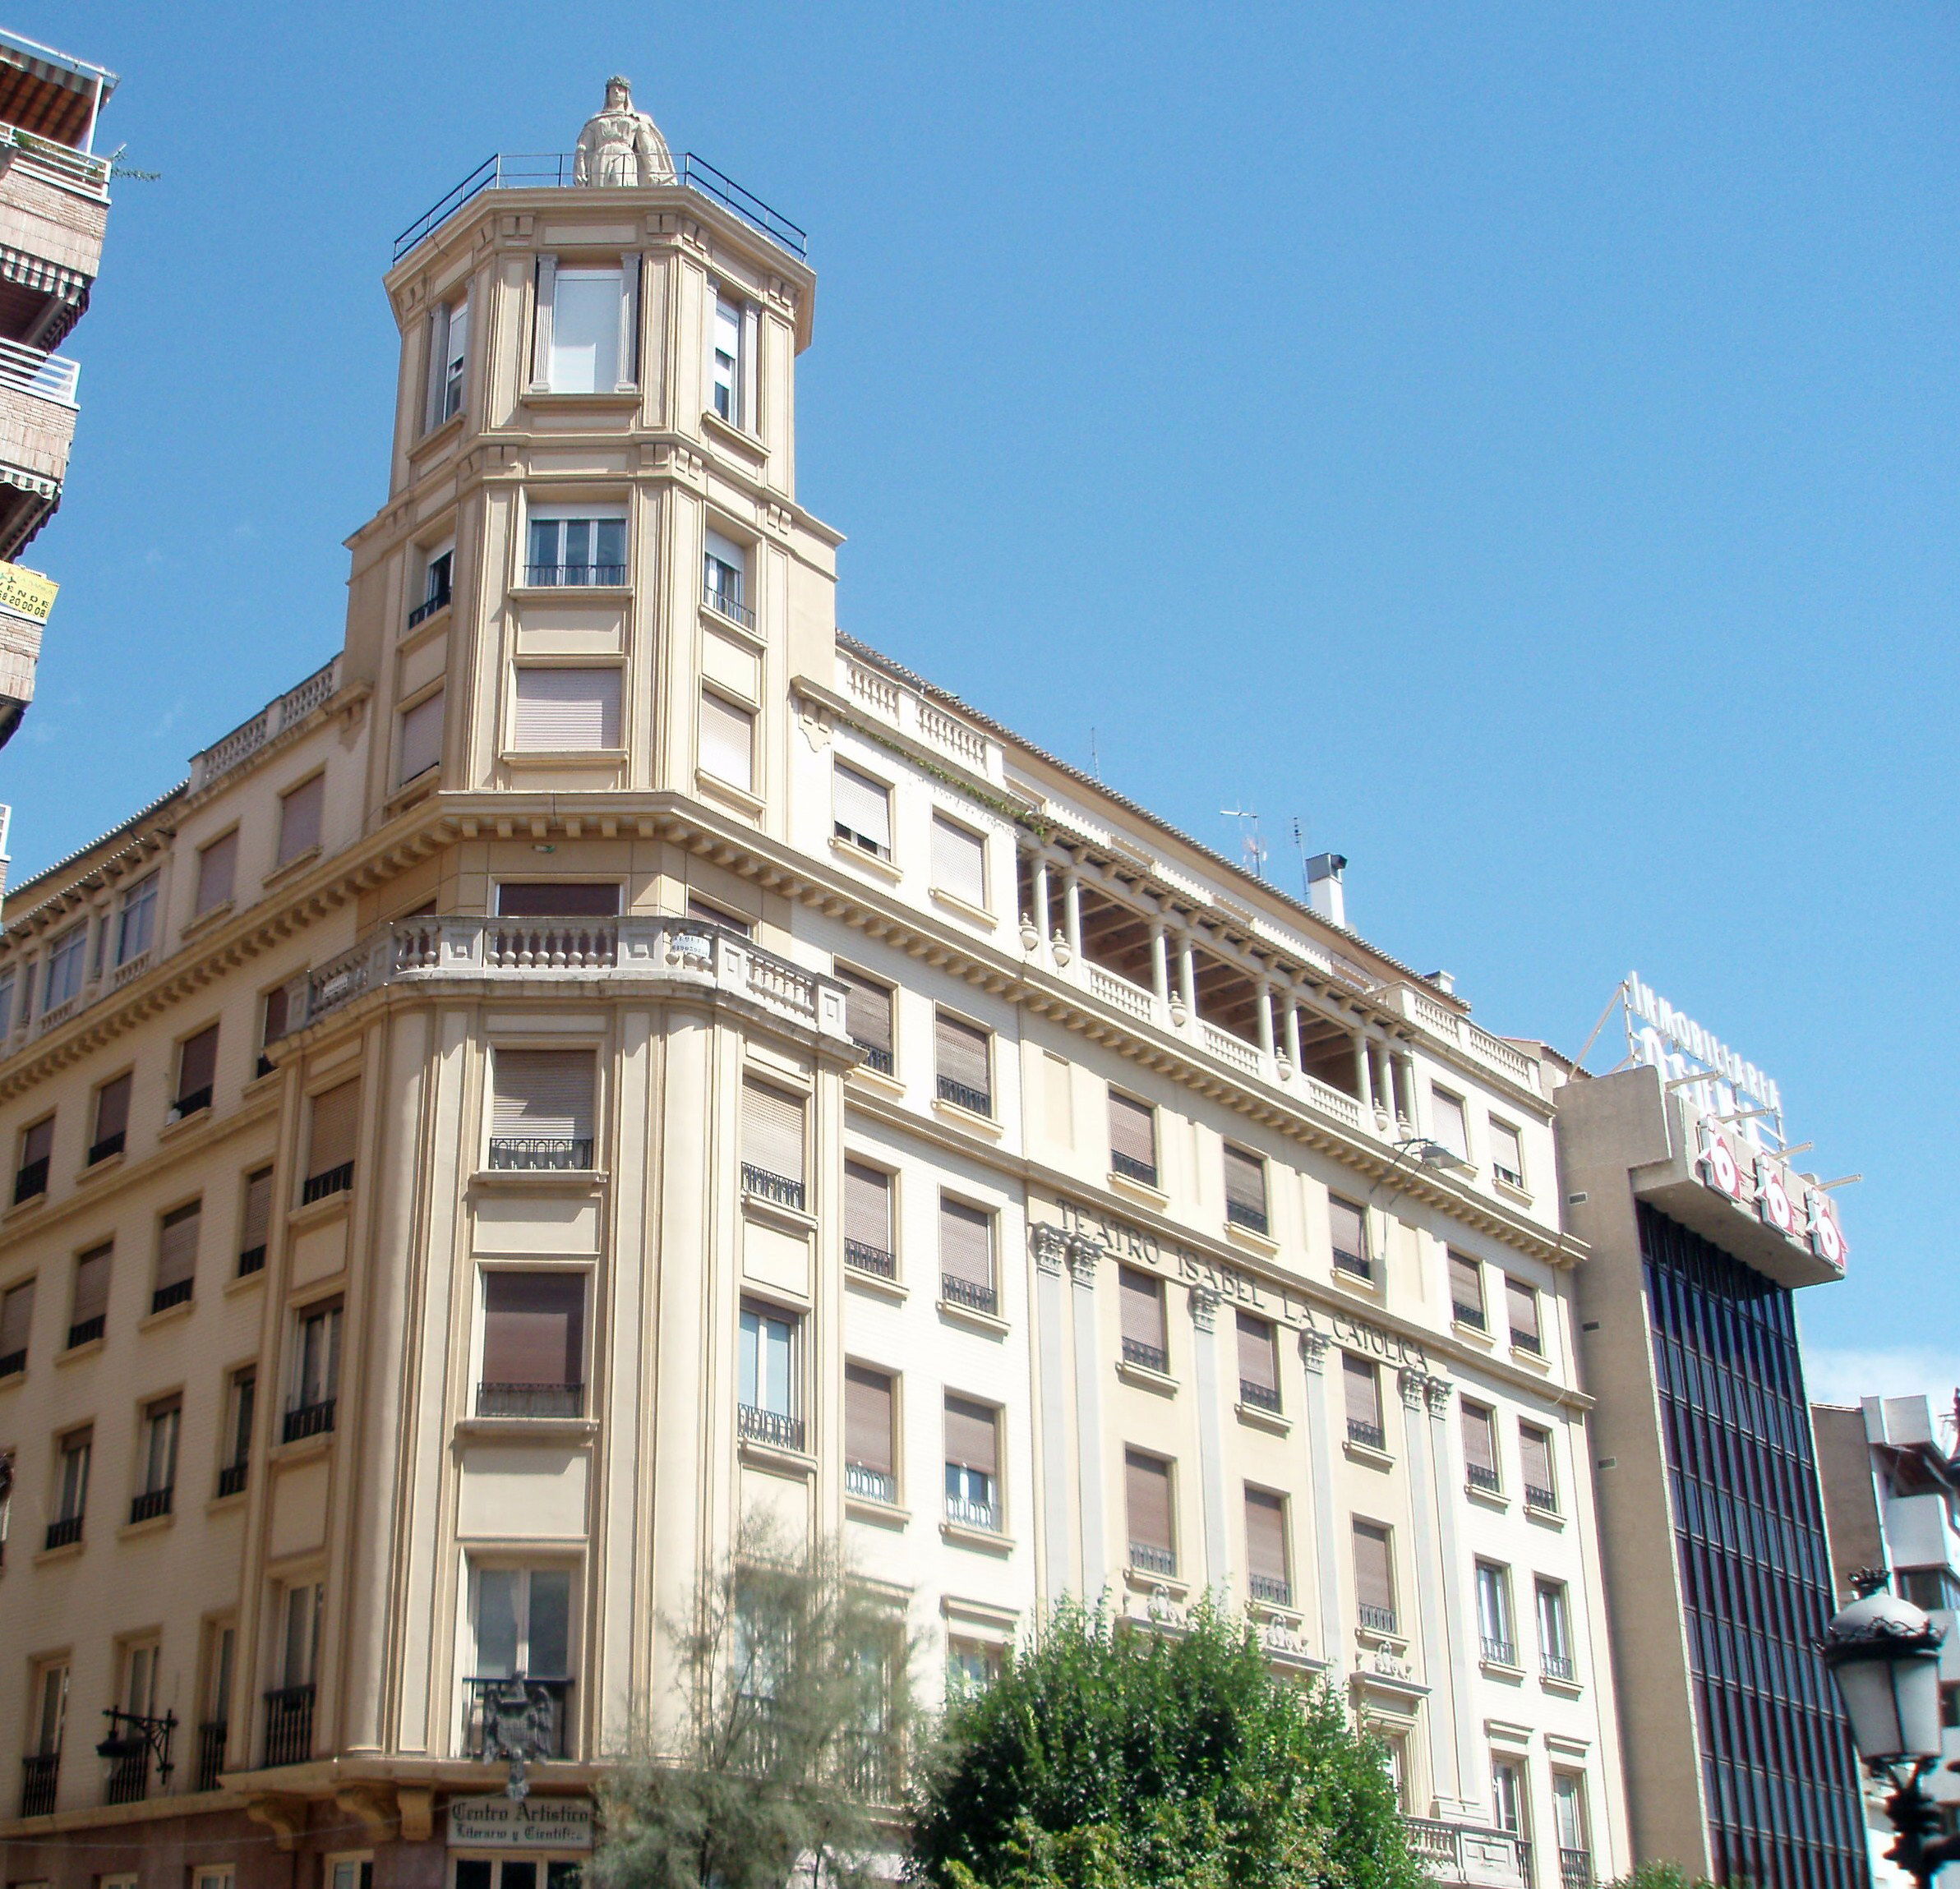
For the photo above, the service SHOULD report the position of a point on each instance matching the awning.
(49, 92)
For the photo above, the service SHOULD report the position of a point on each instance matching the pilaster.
(1211, 1466)
(1314, 1346)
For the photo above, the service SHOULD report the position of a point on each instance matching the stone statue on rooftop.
(620, 146)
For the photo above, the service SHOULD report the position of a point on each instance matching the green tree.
(786, 1729)
(1662, 1876)
(1111, 1757)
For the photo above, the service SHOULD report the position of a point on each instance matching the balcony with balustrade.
(1462, 1853)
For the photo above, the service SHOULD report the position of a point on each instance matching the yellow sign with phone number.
(25, 592)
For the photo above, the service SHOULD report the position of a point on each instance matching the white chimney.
(1324, 891)
(1444, 980)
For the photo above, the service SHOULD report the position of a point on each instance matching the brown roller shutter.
(1479, 1438)
(867, 1012)
(967, 1243)
(1132, 1130)
(773, 1131)
(1146, 1486)
(1349, 1229)
(1523, 1304)
(1265, 1534)
(1374, 1579)
(176, 1245)
(533, 1328)
(1363, 1383)
(38, 1143)
(16, 1319)
(868, 1419)
(299, 819)
(1534, 1458)
(542, 1093)
(972, 1435)
(558, 902)
(1257, 1361)
(1142, 1302)
(1466, 1290)
(1245, 1180)
(217, 866)
(258, 1211)
(197, 1062)
(92, 1284)
(112, 1109)
(868, 1206)
(962, 1052)
(336, 1126)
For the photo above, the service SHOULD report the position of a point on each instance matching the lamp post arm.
(1916, 1816)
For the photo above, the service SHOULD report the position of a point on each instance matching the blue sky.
(1516, 442)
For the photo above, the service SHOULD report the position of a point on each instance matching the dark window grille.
(530, 1400)
(1240, 1214)
(1151, 1356)
(769, 1426)
(251, 1260)
(309, 1420)
(527, 1714)
(1478, 1477)
(1132, 1168)
(423, 611)
(1471, 1316)
(39, 1775)
(31, 1178)
(1575, 1869)
(211, 1739)
(14, 1363)
(1259, 1396)
(877, 1059)
(264, 1067)
(1377, 1619)
(288, 1725)
(1499, 1652)
(232, 1478)
(64, 1533)
(175, 1294)
(859, 1257)
(1369, 1436)
(1558, 1667)
(192, 1103)
(553, 576)
(873, 1485)
(546, 1151)
(1150, 1560)
(1531, 1342)
(335, 1181)
(1536, 1498)
(728, 606)
(151, 1504)
(958, 1292)
(964, 1512)
(1270, 1588)
(977, 1101)
(88, 1330)
(1357, 1266)
(778, 1187)
(107, 1145)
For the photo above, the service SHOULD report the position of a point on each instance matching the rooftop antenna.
(1299, 845)
(1095, 759)
(1250, 842)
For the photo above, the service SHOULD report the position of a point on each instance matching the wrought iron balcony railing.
(1151, 1356)
(107, 1145)
(541, 1151)
(251, 1260)
(967, 1513)
(151, 1504)
(1545, 1499)
(1575, 1869)
(1479, 1477)
(1377, 1620)
(729, 606)
(1242, 1214)
(1258, 1396)
(13, 1361)
(233, 1478)
(1369, 1435)
(176, 1293)
(959, 1292)
(530, 1400)
(1132, 1168)
(873, 1485)
(30, 1178)
(1558, 1667)
(428, 607)
(962, 1095)
(767, 1187)
(86, 1331)
(1499, 1652)
(857, 1255)
(308, 1420)
(212, 1738)
(64, 1531)
(774, 1427)
(288, 1725)
(338, 1180)
(586, 576)
(1273, 1589)
(40, 1775)
(1147, 1558)
(1355, 1265)
(875, 1058)
(192, 1102)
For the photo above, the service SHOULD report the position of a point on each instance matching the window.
(89, 1314)
(161, 1423)
(870, 1457)
(1493, 1614)
(1451, 1129)
(1949, 1707)
(255, 1222)
(567, 711)
(725, 579)
(1574, 1836)
(1507, 1795)
(1147, 1500)
(438, 582)
(1534, 1459)
(7, 1500)
(330, 1140)
(217, 865)
(6, 1005)
(299, 819)
(1348, 1224)
(539, 900)
(868, 1018)
(241, 1406)
(1374, 1577)
(772, 1144)
(1931, 1589)
(1258, 1362)
(523, 1631)
(196, 1070)
(1466, 1293)
(1268, 1577)
(868, 1238)
(587, 326)
(289, 1709)
(448, 346)
(315, 1372)
(1245, 1189)
(135, 922)
(1507, 1153)
(37, 1144)
(1394, 1750)
(540, 1108)
(72, 1455)
(1480, 1446)
(972, 1464)
(574, 552)
(1145, 1341)
(860, 810)
(533, 1345)
(1522, 1301)
(112, 1119)
(959, 862)
(963, 1053)
(728, 740)
(1555, 1632)
(769, 1389)
(17, 1326)
(971, 1666)
(700, 912)
(67, 959)
(1361, 1382)
(1132, 1138)
(967, 1256)
(48, 1715)
(421, 741)
(176, 1256)
(725, 366)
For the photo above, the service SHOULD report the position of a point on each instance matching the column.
(1082, 1255)
(1413, 1113)
(1334, 1643)
(1262, 1012)
(1431, 1603)
(1458, 1603)
(1159, 964)
(1039, 914)
(1053, 1558)
(1186, 972)
(1211, 1466)
(1293, 1031)
(1364, 1072)
(1071, 908)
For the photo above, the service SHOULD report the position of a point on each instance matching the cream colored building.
(607, 1054)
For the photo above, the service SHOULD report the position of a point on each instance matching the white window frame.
(767, 1311)
(559, 512)
(139, 903)
(626, 345)
(745, 401)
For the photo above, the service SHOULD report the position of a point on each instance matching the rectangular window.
(315, 1372)
(768, 1357)
(1374, 1577)
(67, 959)
(438, 584)
(1480, 1446)
(540, 1108)
(585, 318)
(88, 1316)
(772, 1137)
(1268, 1577)
(420, 740)
(1507, 1795)
(1534, 1461)
(971, 1666)
(860, 810)
(37, 1147)
(870, 1460)
(524, 1620)
(700, 912)
(275, 1022)
(217, 867)
(533, 1345)
(1451, 1129)
(71, 1480)
(6, 1005)
(537, 900)
(1361, 1381)
(17, 1327)
(331, 1138)
(196, 1072)
(1258, 1362)
(1523, 1302)
(966, 1256)
(725, 366)
(972, 1464)
(567, 711)
(112, 1119)
(299, 1644)
(963, 1057)
(1145, 1339)
(1245, 1189)
(728, 740)
(576, 553)
(1466, 1293)
(176, 1256)
(255, 1222)
(161, 1423)
(959, 861)
(1147, 1500)
(300, 813)
(241, 1407)
(1507, 1153)
(1132, 1138)
(449, 349)
(49, 1711)
(135, 922)
(1574, 1833)
(725, 579)
(868, 1018)
(869, 1243)
(1555, 1632)
(1493, 1614)
(1349, 1226)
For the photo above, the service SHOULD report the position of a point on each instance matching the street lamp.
(1884, 1654)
